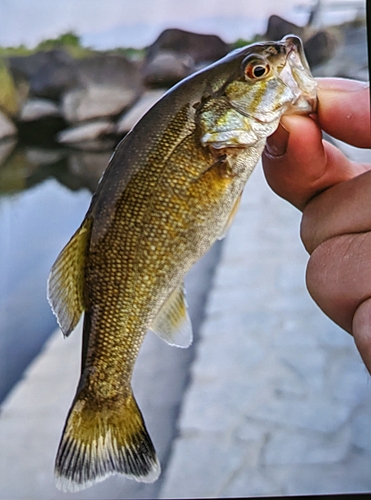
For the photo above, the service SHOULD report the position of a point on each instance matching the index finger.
(344, 110)
(298, 164)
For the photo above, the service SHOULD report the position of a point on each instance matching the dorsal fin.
(66, 280)
(173, 324)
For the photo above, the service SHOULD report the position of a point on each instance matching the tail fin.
(98, 442)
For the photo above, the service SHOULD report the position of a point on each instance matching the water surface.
(43, 197)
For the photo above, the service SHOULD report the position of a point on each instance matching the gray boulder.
(350, 58)
(167, 68)
(129, 119)
(36, 109)
(29, 66)
(42, 157)
(49, 73)
(96, 101)
(108, 69)
(7, 127)
(88, 166)
(319, 48)
(86, 132)
(177, 53)
(55, 77)
(202, 48)
(278, 27)
(107, 85)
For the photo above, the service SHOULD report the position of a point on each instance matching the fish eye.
(256, 69)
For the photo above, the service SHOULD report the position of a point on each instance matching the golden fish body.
(170, 190)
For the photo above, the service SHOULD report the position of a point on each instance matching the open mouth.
(296, 75)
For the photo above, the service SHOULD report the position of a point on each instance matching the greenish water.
(44, 194)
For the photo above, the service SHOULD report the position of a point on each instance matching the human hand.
(334, 194)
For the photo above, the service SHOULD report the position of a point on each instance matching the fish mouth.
(297, 76)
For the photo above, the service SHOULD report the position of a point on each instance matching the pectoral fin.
(231, 216)
(173, 323)
(66, 280)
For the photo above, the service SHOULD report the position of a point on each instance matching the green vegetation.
(20, 50)
(8, 95)
(68, 41)
(130, 53)
(71, 43)
(242, 42)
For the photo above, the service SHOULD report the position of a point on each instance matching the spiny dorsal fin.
(66, 280)
(173, 323)
(231, 216)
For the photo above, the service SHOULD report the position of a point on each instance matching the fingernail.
(277, 143)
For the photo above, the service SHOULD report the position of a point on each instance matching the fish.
(171, 189)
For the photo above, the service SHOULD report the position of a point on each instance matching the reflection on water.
(44, 194)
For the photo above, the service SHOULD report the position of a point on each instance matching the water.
(44, 195)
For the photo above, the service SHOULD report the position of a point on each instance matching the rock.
(104, 143)
(202, 48)
(319, 48)
(106, 69)
(279, 27)
(107, 85)
(50, 73)
(167, 68)
(55, 77)
(36, 109)
(96, 101)
(176, 53)
(39, 121)
(8, 95)
(86, 132)
(7, 127)
(129, 119)
(43, 157)
(350, 59)
(28, 66)
(89, 166)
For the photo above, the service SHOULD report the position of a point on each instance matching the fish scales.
(139, 225)
(170, 190)
(144, 218)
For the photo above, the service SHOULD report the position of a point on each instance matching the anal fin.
(66, 280)
(173, 324)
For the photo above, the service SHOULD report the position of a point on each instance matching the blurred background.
(75, 76)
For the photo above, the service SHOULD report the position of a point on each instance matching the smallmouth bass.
(172, 187)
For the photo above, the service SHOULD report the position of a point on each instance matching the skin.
(334, 195)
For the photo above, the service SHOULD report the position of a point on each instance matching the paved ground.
(278, 401)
